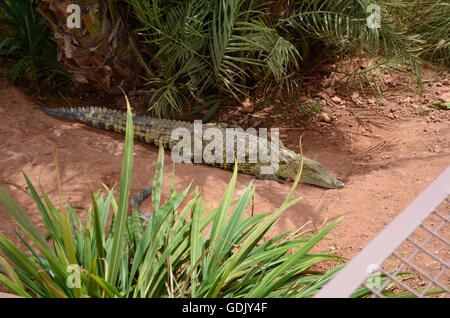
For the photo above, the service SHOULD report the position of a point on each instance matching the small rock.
(336, 99)
(322, 95)
(326, 93)
(387, 78)
(446, 82)
(355, 94)
(391, 116)
(247, 106)
(325, 117)
(323, 102)
(445, 97)
(371, 101)
(303, 99)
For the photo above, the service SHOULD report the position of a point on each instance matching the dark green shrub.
(25, 39)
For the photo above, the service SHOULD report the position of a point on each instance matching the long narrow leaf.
(114, 259)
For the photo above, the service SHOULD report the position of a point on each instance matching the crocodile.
(155, 131)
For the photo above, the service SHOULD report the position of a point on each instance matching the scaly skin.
(153, 131)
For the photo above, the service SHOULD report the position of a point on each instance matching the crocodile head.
(312, 173)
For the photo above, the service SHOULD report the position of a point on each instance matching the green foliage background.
(205, 51)
(25, 38)
(198, 53)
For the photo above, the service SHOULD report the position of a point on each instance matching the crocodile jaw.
(312, 172)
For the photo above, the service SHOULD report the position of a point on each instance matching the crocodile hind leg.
(261, 176)
(136, 200)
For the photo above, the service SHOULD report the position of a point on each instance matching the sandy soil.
(385, 151)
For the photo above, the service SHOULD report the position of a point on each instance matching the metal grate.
(412, 254)
(426, 253)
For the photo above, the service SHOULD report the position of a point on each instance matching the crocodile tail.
(99, 117)
(73, 113)
(136, 200)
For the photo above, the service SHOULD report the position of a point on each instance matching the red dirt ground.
(385, 151)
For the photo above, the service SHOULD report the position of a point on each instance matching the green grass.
(311, 109)
(424, 112)
(443, 106)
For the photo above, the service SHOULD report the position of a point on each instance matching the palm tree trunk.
(98, 53)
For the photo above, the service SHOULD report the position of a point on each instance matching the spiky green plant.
(25, 38)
